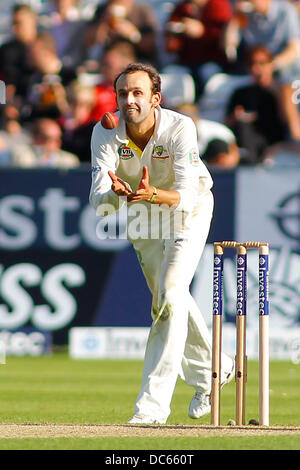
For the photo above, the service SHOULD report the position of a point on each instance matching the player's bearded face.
(135, 98)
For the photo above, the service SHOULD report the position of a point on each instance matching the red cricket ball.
(109, 120)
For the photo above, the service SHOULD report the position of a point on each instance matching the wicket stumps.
(241, 311)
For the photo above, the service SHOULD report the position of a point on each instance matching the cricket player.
(150, 160)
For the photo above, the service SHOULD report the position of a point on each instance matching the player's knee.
(162, 312)
(164, 308)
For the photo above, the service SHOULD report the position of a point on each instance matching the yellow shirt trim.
(133, 146)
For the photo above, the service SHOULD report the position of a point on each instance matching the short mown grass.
(58, 390)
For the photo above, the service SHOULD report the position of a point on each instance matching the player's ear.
(156, 99)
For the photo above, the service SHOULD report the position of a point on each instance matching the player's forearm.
(169, 197)
(155, 195)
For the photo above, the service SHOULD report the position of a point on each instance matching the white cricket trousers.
(179, 341)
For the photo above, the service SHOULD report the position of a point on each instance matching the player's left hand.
(144, 191)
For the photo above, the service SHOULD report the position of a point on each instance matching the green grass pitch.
(57, 390)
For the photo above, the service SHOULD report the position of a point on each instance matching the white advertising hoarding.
(130, 343)
(108, 342)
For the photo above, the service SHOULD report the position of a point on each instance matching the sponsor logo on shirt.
(194, 157)
(95, 169)
(125, 153)
(160, 153)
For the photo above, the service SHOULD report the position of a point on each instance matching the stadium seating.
(177, 88)
(217, 92)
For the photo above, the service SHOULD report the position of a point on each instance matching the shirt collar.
(121, 130)
(271, 13)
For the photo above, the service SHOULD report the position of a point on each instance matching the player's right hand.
(119, 186)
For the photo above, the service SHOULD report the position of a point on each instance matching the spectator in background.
(124, 19)
(194, 31)
(45, 150)
(254, 112)
(65, 23)
(276, 25)
(296, 3)
(216, 142)
(11, 133)
(220, 154)
(5, 152)
(11, 129)
(46, 94)
(115, 58)
(14, 66)
(78, 123)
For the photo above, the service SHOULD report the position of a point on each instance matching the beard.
(136, 114)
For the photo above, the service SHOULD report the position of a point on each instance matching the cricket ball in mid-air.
(109, 120)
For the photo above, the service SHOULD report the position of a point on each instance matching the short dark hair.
(140, 67)
(251, 51)
(23, 7)
(214, 147)
(123, 46)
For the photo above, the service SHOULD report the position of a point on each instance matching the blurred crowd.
(59, 66)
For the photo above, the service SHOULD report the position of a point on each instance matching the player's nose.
(130, 98)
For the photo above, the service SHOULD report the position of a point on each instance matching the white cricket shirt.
(171, 155)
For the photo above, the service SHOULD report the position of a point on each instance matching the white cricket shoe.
(200, 404)
(143, 419)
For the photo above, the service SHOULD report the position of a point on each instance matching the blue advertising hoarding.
(54, 271)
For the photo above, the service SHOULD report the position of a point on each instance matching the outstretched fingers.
(118, 186)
